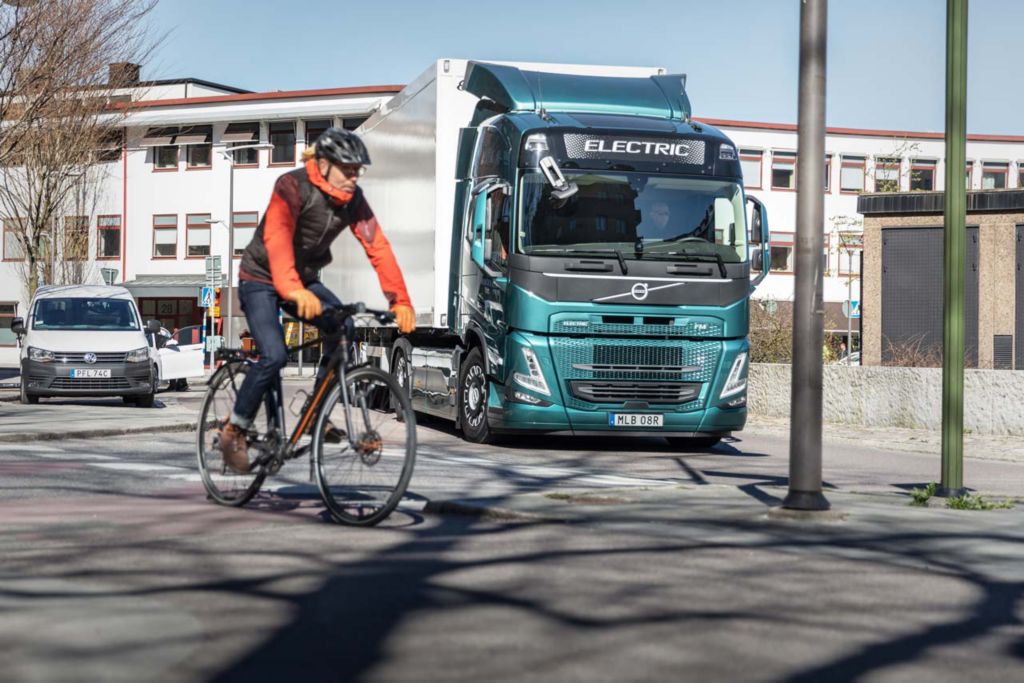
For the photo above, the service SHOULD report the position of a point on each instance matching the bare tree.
(61, 123)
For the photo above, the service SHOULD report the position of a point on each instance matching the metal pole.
(955, 243)
(808, 308)
(231, 252)
(849, 305)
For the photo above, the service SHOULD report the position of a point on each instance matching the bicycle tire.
(216, 481)
(366, 504)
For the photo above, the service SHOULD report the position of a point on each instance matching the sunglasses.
(351, 170)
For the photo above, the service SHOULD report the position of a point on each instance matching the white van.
(89, 340)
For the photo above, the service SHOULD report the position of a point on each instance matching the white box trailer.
(413, 141)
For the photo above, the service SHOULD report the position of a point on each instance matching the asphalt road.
(115, 567)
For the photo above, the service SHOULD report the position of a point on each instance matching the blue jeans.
(261, 302)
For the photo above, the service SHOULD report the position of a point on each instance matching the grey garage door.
(912, 266)
(1019, 326)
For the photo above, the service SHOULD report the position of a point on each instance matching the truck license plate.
(86, 373)
(635, 420)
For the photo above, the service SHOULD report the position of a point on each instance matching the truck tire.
(473, 390)
(400, 371)
(27, 398)
(693, 443)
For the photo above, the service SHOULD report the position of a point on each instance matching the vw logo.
(90, 358)
(639, 291)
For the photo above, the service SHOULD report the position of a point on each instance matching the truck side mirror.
(18, 326)
(756, 260)
(760, 240)
(481, 209)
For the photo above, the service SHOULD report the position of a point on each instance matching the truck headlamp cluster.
(737, 380)
(534, 378)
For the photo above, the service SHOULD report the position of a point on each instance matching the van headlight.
(737, 379)
(138, 355)
(40, 355)
(534, 379)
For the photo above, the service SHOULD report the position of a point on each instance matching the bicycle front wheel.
(222, 484)
(364, 453)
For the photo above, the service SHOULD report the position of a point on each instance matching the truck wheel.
(27, 398)
(473, 390)
(693, 443)
(400, 371)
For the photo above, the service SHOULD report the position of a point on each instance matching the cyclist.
(308, 209)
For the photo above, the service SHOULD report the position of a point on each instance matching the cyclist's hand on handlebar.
(405, 318)
(306, 302)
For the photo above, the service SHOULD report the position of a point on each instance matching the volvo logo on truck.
(639, 291)
(613, 147)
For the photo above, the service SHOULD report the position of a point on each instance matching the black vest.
(319, 223)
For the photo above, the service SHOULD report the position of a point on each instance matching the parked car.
(86, 340)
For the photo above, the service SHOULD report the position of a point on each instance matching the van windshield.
(84, 314)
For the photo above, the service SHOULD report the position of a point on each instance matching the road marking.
(64, 455)
(137, 467)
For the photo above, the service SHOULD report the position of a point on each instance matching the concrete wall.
(896, 397)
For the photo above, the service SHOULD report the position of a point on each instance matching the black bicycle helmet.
(341, 146)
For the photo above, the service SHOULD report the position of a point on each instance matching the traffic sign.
(109, 275)
(213, 276)
(208, 297)
(856, 309)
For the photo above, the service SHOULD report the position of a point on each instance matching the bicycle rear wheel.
(223, 484)
(363, 477)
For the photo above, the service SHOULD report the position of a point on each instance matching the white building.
(170, 180)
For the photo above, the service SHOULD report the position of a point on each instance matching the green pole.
(955, 243)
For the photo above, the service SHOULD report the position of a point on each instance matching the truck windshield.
(84, 314)
(641, 215)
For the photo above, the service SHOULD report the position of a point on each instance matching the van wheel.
(473, 392)
(145, 400)
(27, 398)
(128, 400)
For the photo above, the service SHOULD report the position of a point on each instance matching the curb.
(488, 512)
(23, 437)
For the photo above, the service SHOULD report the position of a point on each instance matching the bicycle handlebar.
(359, 308)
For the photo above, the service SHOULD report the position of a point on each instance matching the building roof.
(194, 81)
(264, 96)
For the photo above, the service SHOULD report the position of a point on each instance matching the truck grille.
(83, 383)
(100, 357)
(676, 362)
(639, 326)
(665, 393)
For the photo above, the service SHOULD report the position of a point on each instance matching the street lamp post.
(228, 153)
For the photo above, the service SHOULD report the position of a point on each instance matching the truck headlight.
(138, 355)
(737, 379)
(534, 379)
(40, 355)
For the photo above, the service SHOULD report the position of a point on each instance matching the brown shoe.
(234, 448)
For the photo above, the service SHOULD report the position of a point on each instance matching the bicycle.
(362, 422)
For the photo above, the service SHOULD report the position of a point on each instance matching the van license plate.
(86, 373)
(635, 420)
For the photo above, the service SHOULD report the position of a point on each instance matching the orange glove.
(405, 318)
(306, 301)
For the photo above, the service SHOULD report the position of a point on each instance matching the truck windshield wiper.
(690, 256)
(592, 252)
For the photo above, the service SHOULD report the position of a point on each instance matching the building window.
(108, 237)
(828, 172)
(851, 174)
(8, 310)
(922, 175)
(109, 148)
(198, 143)
(782, 252)
(783, 170)
(750, 162)
(352, 123)
(165, 158)
(165, 151)
(314, 130)
(13, 248)
(887, 174)
(282, 137)
(239, 134)
(1020, 174)
(197, 235)
(993, 175)
(165, 236)
(75, 245)
(245, 223)
(970, 173)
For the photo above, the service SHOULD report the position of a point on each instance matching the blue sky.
(886, 57)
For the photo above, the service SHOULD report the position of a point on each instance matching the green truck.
(577, 248)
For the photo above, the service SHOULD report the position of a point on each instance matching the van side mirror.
(152, 327)
(18, 326)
